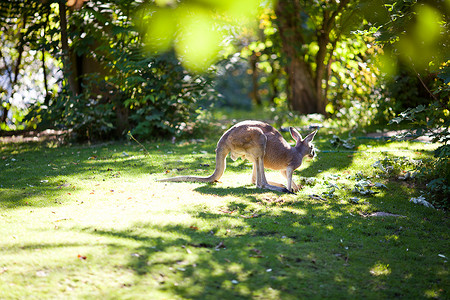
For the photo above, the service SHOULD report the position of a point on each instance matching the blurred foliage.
(233, 83)
(415, 36)
(134, 60)
(412, 32)
(198, 30)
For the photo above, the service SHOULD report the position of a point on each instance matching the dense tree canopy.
(103, 67)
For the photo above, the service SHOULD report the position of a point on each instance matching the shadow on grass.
(286, 250)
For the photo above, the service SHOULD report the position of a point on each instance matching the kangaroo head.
(304, 146)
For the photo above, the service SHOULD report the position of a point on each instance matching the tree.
(309, 33)
(111, 83)
(416, 39)
(69, 72)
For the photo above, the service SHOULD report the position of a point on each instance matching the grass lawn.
(90, 221)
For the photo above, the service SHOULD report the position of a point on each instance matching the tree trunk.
(301, 93)
(305, 91)
(255, 80)
(301, 90)
(323, 40)
(44, 71)
(69, 73)
(273, 81)
(328, 72)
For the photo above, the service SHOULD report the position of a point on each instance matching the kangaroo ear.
(310, 136)
(295, 135)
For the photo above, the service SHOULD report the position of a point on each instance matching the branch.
(332, 19)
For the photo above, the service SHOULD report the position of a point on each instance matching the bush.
(433, 120)
(152, 97)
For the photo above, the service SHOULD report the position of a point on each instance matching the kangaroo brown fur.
(264, 146)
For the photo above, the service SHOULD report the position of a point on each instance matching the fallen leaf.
(193, 227)
(187, 250)
(380, 185)
(220, 245)
(202, 245)
(249, 217)
(59, 220)
(227, 211)
(354, 199)
(257, 251)
(317, 197)
(421, 200)
(63, 185)
(41, 273)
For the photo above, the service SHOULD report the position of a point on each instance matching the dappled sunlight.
(195, 240)
(151, 86)
(380, 269)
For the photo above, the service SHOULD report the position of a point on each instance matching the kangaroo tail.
(221, 155)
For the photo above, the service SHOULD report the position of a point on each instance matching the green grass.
(91, 222)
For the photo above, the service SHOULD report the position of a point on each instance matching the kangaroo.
(264, 146)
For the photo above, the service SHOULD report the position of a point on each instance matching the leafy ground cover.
(90, 221)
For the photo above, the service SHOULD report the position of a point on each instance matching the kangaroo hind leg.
(258, 165)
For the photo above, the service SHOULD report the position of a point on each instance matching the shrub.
(433, 120)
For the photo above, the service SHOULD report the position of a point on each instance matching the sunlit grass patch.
(90, 222)
(380, 269)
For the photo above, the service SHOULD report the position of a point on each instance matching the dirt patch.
(33, 136)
